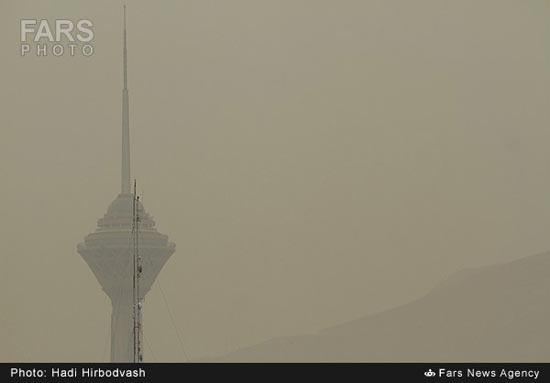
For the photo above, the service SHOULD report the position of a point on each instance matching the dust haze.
(313, 161)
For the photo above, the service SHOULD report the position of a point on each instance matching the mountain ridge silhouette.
(496, 313)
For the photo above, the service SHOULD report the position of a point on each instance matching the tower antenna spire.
(125, 171)
(125, 53)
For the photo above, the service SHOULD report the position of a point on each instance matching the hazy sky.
(314, 161)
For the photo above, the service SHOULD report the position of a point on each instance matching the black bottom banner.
(278, 372)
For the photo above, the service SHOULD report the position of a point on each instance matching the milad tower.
(108, 251)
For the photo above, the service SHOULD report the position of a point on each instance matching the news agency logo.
(429, 374)
(62, 37)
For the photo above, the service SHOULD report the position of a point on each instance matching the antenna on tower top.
(125, 170)
(125, 53)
